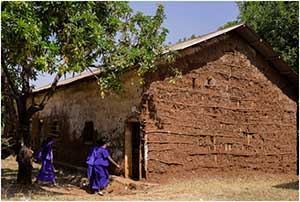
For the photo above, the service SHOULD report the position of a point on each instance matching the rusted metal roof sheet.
(69, 80)
(242, 30)
(189, 43)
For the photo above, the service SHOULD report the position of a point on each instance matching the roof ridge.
(191, 42)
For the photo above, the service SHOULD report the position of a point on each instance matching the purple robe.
(46, 173)
(99, 175)
(90, 163)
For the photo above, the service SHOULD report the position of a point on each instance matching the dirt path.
(242, 186)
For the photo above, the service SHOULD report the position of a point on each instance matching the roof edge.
(242, 29)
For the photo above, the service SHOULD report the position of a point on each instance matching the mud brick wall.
(230, 111)
(73, 105)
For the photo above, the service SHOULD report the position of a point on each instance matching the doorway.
(134, 155)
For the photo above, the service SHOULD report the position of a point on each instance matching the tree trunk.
(8, 118)
(24, 129)
(24, 114)
(25, 166)
(25, 153)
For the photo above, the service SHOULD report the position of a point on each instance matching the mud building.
(234, 108)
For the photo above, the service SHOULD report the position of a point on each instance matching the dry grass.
(242, 186)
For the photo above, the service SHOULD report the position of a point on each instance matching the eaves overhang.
(242, 30)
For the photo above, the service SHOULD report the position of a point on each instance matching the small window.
(88, 132)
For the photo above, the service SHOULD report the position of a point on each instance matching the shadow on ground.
(10, 189)
(290, 185)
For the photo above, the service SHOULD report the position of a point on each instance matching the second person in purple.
(46, 173)
(99, 171)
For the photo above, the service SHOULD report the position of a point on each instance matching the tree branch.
(37, 107)
(25, 80)
(93, 73)
(109, 70)
(10, 82)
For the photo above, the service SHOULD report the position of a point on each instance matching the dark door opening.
(134, 165)
(136, 158)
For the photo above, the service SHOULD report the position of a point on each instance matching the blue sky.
(187, 18)
(183, 19)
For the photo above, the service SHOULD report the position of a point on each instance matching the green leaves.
(62, 37)
(278, 23)
(229, 24)
(138, 43)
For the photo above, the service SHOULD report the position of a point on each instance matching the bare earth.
(211, 186)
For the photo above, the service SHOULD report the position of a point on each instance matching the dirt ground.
(211, 186)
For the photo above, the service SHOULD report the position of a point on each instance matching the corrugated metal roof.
(242, 29)
(189, 43)
(69, 80)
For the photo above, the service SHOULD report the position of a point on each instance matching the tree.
(193, 36)
(66, 37)
(229, 24)
(275, 21)
(8, 117)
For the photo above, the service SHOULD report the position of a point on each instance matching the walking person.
(90, 163)
(99, 177)
(46, 173)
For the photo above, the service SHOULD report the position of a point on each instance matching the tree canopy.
(67, 37)
(275, 21)
(62, 37)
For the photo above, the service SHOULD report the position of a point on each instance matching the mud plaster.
(230, 111)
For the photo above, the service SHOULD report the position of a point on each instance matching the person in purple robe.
(99, 174)
(90, 163)
(46, 173)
